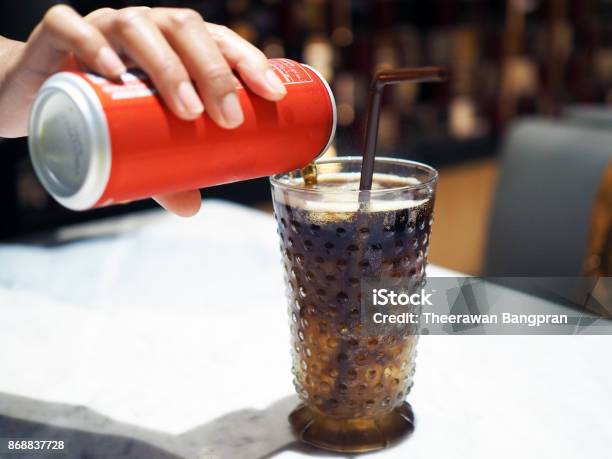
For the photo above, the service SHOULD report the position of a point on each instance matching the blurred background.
(548, 61)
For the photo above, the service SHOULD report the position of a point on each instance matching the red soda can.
(95, 142)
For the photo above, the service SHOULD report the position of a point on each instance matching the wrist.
(13, 105)
(10, 52)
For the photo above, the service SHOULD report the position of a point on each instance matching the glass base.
(352, 435)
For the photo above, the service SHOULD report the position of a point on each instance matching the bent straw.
(380, 80)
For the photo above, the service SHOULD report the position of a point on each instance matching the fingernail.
(109, 61)
(230, 108)
(189, 98)
(275, 83)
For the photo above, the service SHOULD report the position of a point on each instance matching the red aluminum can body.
(95, 142)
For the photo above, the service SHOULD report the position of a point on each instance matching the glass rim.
(275, 179)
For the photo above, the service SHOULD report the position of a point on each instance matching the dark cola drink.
(352, 384)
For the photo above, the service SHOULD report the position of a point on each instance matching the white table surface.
(161, 337)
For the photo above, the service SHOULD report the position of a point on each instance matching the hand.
(175, 47)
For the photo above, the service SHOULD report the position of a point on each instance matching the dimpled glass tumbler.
(352, 385)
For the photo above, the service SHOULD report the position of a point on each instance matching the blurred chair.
(597, 116)
(552, 210)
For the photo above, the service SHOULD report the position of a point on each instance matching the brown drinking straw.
(380, 80)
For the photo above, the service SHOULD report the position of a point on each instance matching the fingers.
(187, 34)
(249, 61)
(133, 32)
(175, 46)
(183, 204)
(63, 31)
